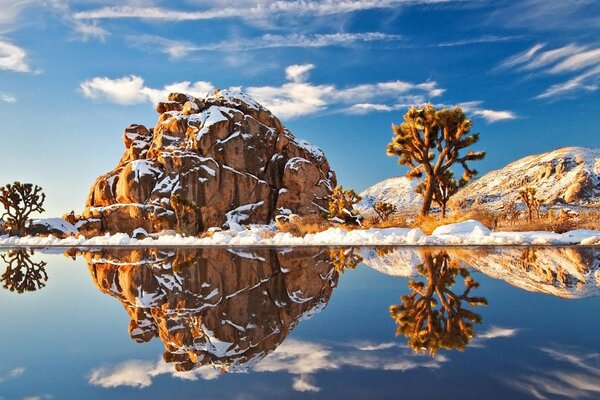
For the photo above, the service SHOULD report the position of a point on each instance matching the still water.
(468, 323)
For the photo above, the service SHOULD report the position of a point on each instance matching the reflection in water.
(433, 316)
(228, 309)
(22, 274)
(344, 258)
(568, 272)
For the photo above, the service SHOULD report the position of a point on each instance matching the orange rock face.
(226, 159)
(212, 306)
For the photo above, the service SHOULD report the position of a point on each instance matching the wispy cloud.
(12, 374)
(176, 49)
(179, 49)
(8, 98)
(261, 10)
(479, 40)
(581, 60)
(296, 97)
(12, 57)
(496, 332)
(140, 373)
(578, 378)
(301, 359)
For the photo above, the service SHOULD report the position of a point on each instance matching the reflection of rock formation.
(225, 308)
(22, 274)
(569, 272)
(435, 315)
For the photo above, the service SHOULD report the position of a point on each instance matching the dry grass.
(301, 226)
(585, 220)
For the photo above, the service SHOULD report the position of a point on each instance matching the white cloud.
(295, 98)
(88, 31)
(8, 98)
(303, 383)
(13, 58)
(298, 73)
(497, 332)
(131, 90)
(260, 10)
(12, 374)
(572, 58)
(140, 373)
(495, 116)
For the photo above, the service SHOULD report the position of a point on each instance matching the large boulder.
(220, 161)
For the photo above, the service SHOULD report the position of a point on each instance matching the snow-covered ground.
(465, 233)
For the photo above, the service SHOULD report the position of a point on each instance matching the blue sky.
(74, 74)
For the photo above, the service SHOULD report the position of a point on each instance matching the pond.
(238, 323)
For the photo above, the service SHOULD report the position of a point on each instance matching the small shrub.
(301, 226)
(341, 206)
(384, 210)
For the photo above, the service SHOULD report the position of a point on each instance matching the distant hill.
(569, 175)
(399, 191)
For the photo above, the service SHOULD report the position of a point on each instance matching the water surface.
(301, 323)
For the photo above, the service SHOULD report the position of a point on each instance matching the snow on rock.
(399, 191)
(465, 233)
(569, 175)
(216, 154)
(52, 226)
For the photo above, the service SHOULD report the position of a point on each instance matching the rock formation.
(213, 307)
(220, 161)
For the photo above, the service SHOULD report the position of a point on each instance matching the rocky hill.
(224, 160)
(399, 191)
(569, 175)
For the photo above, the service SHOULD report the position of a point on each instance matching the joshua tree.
(22, 274)
(341, 205)
(384, 210)
(429, 142)
(432, 316)
(19, 201)
(445, 188)
(532, 203)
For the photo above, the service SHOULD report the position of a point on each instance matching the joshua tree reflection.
(22, 274)
(432, 315)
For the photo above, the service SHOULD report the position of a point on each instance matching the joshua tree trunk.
(443, 207)
(427, 196)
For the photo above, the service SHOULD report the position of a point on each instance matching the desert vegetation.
(19, 201)
(429, 142)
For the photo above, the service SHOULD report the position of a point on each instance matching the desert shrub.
(384, 210)
(341, 206)
(301, 226)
